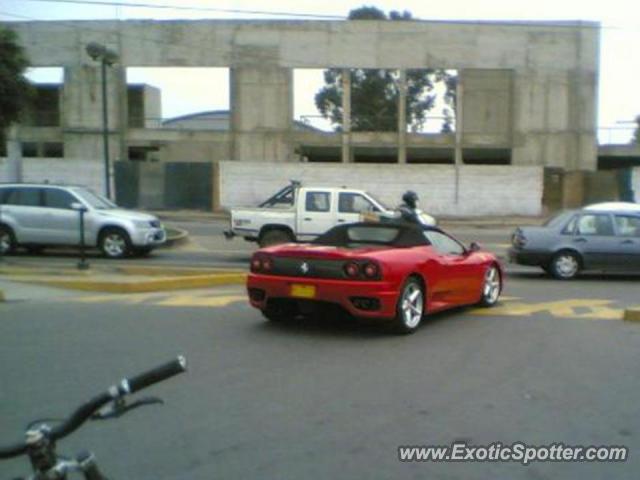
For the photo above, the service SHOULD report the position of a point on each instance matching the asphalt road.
(207, 247)
(326, 399)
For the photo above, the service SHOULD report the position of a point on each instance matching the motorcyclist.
(409, 211)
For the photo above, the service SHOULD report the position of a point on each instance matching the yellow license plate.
(303, 291)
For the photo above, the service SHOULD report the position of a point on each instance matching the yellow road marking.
(131, 298)
(200, 301)
(597, 309)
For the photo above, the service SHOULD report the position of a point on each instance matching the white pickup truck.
(298, 213)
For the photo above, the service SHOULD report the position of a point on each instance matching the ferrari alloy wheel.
(490, 287)
(565, 265)
(410, 307)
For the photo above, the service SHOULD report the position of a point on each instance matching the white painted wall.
(59, 170)
(483, 189)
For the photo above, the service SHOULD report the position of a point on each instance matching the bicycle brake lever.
(118, 407)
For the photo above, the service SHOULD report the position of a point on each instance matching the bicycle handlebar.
(86, 410)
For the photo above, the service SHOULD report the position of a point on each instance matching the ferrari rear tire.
(491, 287)
(410, 307)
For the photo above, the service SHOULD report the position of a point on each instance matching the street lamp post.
(106, 58)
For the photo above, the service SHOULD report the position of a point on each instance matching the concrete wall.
(58, 170)
(483, 190)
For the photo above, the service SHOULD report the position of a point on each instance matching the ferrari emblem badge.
(304, 268)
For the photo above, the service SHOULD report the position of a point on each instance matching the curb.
(157, 285)
(178, 238)
(632, 314)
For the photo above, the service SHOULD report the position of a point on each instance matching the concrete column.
(346, 115)
(261, 113)
(459, 134)
(14, 155)
(402, 117)
(82, 110)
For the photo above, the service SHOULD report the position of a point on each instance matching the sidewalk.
(24, 281)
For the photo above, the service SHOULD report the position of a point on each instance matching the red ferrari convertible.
(374, 270)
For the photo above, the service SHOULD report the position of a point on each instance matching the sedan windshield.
(94, 200)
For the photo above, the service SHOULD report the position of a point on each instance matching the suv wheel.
(114, 243)
(7, 240)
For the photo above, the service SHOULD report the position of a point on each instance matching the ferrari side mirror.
(474, 247)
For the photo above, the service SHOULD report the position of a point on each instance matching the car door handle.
(579, 240)
(341, 220)
(627, 242)
(307, 219)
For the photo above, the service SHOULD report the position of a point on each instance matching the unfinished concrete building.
(526, 92)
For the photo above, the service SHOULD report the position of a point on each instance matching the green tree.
(15, 90)
(374, 92)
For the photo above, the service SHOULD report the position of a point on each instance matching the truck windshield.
(95, 201)
(378, 201)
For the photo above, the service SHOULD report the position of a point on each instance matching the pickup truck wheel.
(274, 237)
(114, 243)
(7, 240)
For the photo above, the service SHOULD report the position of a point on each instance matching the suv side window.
(57, 198)
(595, 224)
(4, 195)
(627, 225)
(24, 197)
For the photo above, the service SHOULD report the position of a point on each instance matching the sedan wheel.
(410, 307)
(491, 287)
(565, 265)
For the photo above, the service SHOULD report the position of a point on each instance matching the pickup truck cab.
(301, 214)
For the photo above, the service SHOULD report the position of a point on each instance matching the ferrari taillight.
(367, 270)
(267, 264)
(371, 270)
(352, 269)
(256, 264)
(261, 263)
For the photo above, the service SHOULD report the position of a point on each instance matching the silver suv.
(36, 216)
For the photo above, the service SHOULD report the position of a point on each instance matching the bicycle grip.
(158, 374)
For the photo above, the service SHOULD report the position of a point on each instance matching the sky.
(183, 91)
